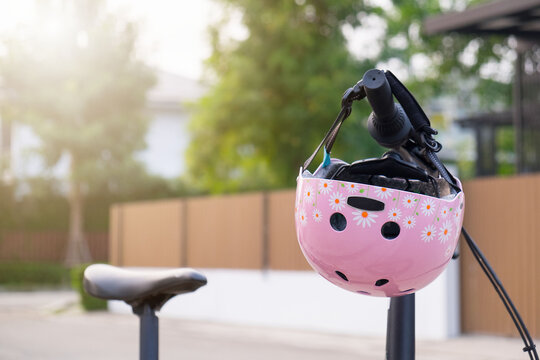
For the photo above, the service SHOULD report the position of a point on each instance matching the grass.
(33, 275)
(28, 276)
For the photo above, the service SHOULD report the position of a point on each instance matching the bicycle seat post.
(400, 331)
(148, 332)
(146, 291)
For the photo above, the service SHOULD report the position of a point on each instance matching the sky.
(172, 34)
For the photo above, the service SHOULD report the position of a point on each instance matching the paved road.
(49, 325)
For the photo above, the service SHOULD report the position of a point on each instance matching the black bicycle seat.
(140, 287)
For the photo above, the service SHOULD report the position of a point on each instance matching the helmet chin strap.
(423, 132)
(375, 84)
(419, 144)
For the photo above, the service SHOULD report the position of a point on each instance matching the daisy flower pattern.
(364, 218)
(428, 207)
(308, 194)
(409, 222)
(302, 217)
(445, 231)
(325, 187)
(317, 215)
(337, 201)
(444, 212)
(383, 193)
(448, 251)
(428, 233)
(352, 188)
(409, 201)
(457, 215)
(394, 214)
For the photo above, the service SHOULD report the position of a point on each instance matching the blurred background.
(136, 132)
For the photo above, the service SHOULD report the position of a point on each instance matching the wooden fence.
(47, 246)
(255, 231)
(248, 231)
(503, 216)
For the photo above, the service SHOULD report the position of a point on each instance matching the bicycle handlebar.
(388, 124)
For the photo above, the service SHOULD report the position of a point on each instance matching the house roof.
(172, 90)
(503, 118)
(502, 17)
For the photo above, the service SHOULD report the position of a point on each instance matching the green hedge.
(88, 302)
(29, 274)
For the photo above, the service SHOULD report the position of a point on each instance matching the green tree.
(476, 71)
(467, 66)
(277, 92)
(72, 76)
(278, 89)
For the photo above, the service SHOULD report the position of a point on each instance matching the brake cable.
(422, 126)
(423, 136)
(530, 347)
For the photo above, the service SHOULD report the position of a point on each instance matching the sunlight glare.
(171, 34)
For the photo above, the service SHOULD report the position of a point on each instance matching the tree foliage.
(278, 91)
(81, 90)
(474, 71)
(72, 76)
(467, 66)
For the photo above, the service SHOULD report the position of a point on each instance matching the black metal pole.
(400, 331)
(517, 109)
(149, 334)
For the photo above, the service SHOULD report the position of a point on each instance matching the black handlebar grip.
(379, 94)
(388, 124)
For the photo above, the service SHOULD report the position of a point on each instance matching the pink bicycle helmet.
(380, 227)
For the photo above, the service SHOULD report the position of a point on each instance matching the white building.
(167, 136)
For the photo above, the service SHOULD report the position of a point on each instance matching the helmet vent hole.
(363, 292)
(342, 275)
(381, 282)
(390, 230)
(364, 203)
(338, 221)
